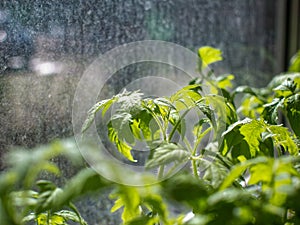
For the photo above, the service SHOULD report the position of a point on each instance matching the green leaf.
(232, 136)
(206, 110)
(128, 102)
(186, 97)
(251, 106)
(235, 172)
(24, 198)
(215, 173)
(282, 137)
(120, 122)
(70, 215)
(45, 185)
(270, 112)
(199, 129)
(293, 112)
(286, 88)
(231, 195)
(157, 206)
(276, 177)
(187, 189)
(239, 169)
(86, 181)
(280, 79)
(224, 82)
(53, 220)
(145, 126)
(143, 220)
(47, 199)
(167, 153)
(104, 104)
(295, 63)
(261, 172)
(209, 55)
(29, 217)
(252, 135)
(246, 90)
(129, 198)
(121, 145)
(118, 204)
(226, 114)
(163, 107)
(43, 165)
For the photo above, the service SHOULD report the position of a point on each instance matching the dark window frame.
(288, 32)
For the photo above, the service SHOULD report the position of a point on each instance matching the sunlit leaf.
(251, 107)
(252, 135)
(121, 145)
(239, 169)
(209, 55)
(147, 126)
(282, 137)
(129, 199)
(225, 82)
(186, 97)
(261, 172)
(53, 220)
(145, 220)
(295, 63)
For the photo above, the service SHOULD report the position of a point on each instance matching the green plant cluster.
(248, 173)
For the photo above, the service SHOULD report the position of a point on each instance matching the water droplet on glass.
(4, 14)
(147, 5)
(3, 35)
(16, 62)
(44, 68)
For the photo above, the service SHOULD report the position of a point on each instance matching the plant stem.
(199, 140)
(195, 171)
(48, 217)
(177, 124)
(158, 123)
(73, 207)
(161, 171)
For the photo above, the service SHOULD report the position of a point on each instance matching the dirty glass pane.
(45, 46)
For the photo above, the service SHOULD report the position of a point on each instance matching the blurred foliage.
(295, 63)
(247, 174)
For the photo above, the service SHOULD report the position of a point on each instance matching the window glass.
(45, 46)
